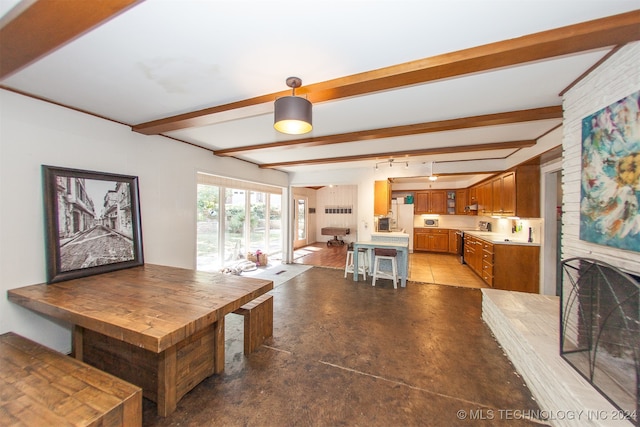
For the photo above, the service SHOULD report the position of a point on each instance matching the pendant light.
(292, 114)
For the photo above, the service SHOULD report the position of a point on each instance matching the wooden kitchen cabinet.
(431, 202)
(485, 198)
(513, 193)
(454, 238)
(487, 262)
(473, 254)
(516, 268)
(381, 197)
(461, 202)
(431, 239)
(504, 266)
(472, 195)
(504, 194)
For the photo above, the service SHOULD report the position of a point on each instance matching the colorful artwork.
(610, 192)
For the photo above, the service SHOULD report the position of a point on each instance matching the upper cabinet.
(431, 202)
(461, 202)
(513, 193)
(382, 197)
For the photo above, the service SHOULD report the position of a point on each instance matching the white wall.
(33, 133)
(618, 77)
(333, 196)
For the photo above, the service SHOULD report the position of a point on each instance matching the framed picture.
(92, 222)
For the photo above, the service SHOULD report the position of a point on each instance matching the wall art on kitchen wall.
(92, 223)
(610, 192)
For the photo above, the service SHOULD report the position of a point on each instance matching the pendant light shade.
(292, 114)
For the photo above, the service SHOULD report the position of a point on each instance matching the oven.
(460, 245)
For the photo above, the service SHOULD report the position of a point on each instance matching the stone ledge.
(527, 327)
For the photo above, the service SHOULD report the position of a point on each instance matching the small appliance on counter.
(431, 222)
(384, 224)
(484, 225)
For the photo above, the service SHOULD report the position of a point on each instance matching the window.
(235, 217)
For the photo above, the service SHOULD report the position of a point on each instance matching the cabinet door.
(421, 241)
(461, 202)
(496, 190)
(422, 202)
(438, 202)
(509, 193)
(439, 242)
(453, 241)
(487, 198)
(473, 195)
(381, 198)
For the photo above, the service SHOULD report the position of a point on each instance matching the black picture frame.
(92, 222)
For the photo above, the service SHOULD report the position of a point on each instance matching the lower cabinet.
(501, 266)
(431, 239)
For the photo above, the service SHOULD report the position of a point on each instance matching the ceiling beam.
(36, 28)
(599, 33)
(544, 113)
(401, 155)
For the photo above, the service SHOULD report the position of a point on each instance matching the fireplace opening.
(600, 329)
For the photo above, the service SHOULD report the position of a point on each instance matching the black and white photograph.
(92, 222)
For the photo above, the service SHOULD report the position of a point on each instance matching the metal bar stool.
(382, 254)
(363, 261)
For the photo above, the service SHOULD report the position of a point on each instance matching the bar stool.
(363, 261)
(382, 254)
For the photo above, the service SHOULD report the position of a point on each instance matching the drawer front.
(488, 278)
(487, 246)
(487, 256)
(487, 267)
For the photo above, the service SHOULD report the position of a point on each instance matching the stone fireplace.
(600, 329)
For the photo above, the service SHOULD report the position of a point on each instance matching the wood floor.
(424, 267)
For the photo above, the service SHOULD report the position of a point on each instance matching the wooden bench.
(258, 321)
(42, 387)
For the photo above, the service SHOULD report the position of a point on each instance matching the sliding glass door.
(233, 221)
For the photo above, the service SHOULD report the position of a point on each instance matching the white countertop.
(498, 238)
(390, 234)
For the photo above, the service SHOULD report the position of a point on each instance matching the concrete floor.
(346, 353)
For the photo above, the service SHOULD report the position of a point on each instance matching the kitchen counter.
(498, 238)
(389, 234)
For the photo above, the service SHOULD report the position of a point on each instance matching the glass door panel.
(208, 228)
(234, 226)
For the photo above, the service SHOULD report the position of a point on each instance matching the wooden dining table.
(158, 327)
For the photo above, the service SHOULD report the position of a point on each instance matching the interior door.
(300, 235)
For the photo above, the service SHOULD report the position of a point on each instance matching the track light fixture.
(292, 114)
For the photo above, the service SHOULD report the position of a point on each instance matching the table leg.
(218, 352)
(167, 382)
(77, 342)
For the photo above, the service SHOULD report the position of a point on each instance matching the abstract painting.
(610, 193)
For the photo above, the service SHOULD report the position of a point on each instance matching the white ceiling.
(162, 58)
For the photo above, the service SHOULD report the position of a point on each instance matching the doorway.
(301, 223)
(552, 215)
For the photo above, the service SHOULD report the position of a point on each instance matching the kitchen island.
(502, 262)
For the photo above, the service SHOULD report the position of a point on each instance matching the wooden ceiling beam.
(36, 28)
(544, 113)
(401, 155)
(596, 34)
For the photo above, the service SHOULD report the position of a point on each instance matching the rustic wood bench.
(258, 321)
(42, 387)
